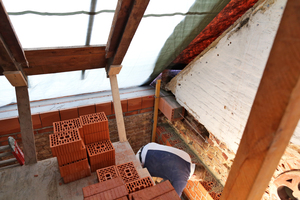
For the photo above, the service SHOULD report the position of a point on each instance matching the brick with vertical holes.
(94, 123)
(107, 173)
(128, 172)
(139, 184)
(63, 159)
(65, 142)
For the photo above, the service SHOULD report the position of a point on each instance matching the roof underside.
(68, 49)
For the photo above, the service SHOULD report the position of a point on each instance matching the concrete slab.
(43, 181)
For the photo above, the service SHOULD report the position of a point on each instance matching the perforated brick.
(65, 142)
(101, 187)
(139, 184)
(95, 137)
(169, 195)
(95, 122)
(101, 154)
(128, 172)
(78, 175)
(66, 125)
(72, 156)
(153, 192)
(113, 193)
(74, 167)
(107, 173)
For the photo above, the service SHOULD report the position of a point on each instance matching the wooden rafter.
(12, 57)
(118, 44)
(274, 114)
(44, 61)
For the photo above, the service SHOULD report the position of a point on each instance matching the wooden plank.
(133, 22)
(274, 114)
(156, 103)
(118, 108)
(26, 125)
(15, 78)
(118, 25)
(114, 69)
(10, 38)
(44, 61)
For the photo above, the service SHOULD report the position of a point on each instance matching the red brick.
(114, 193)
(104, 107)
(132, 113)
(101, 187)
(101, 154)
(66, 125)
(4, 138)
(76, 176)
(146, 110)
(85, 110)
(134, 104)
(65, 142)
(49, 117)
(112, 117)
(107, 173)
(139, 184)
(9, 126)
(225, 156)
(95, 137)
(70, 113)
(64, 159)
(128, 172)
(154, 191)
(148, 102)
(36, 121)
(74, 167)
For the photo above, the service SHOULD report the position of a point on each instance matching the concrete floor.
(42, 180)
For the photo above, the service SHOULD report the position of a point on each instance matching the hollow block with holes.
(95, 123)
(66, 125)
(114, 193)
(107, 173)
(65, 142)
(128, 172)
(164, 189)
(139, 184)
(74, 167)
(95, 137)
(101, 154)
(78, 175)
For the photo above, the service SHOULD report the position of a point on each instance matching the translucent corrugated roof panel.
(67, 25)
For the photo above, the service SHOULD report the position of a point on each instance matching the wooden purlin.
(274, 114)
(44, 61)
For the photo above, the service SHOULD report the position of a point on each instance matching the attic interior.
(228, 74)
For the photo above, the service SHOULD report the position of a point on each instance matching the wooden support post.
(117, 106)
(26, 125)
(156, 103)
(274, 114)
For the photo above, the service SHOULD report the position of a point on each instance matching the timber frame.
(262, 145)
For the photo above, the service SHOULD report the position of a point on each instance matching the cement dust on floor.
(42, 180)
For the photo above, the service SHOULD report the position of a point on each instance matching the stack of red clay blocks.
(71, 155)
(123, 182)
(75, 139)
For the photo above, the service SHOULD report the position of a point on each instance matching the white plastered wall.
(218, 87)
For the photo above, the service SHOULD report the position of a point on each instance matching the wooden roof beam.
(274, 114)
(126, 20)
(45, 61)
(12, 58)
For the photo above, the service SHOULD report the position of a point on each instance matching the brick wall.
(138, 114)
